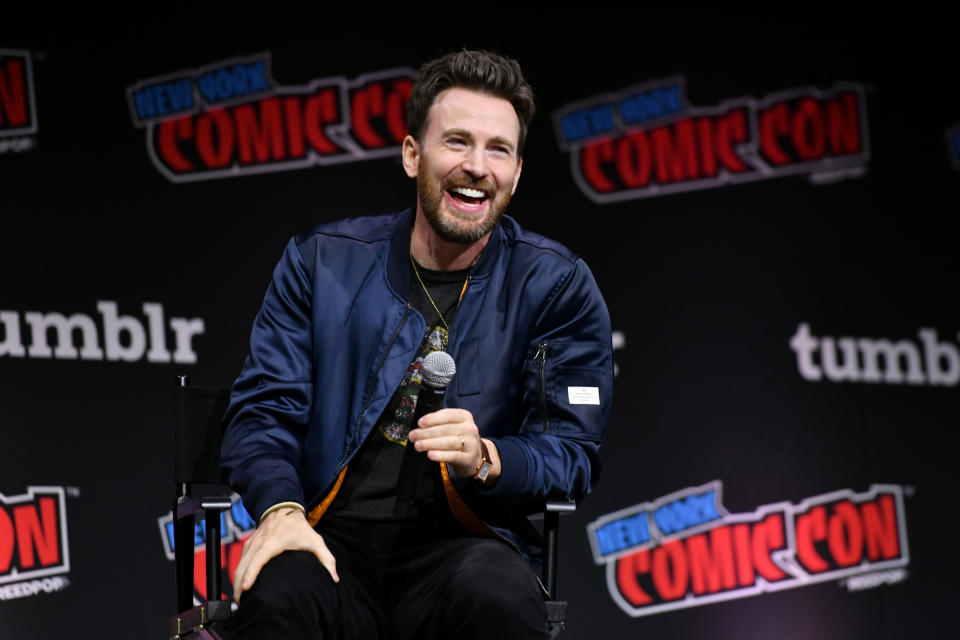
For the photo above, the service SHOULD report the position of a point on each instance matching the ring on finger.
(461, 442)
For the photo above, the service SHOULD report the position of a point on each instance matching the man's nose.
(475, 164)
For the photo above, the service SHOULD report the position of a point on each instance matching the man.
(321, 414)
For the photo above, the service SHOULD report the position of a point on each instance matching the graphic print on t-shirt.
(399, 413)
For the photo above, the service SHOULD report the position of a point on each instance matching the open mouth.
(466, 197)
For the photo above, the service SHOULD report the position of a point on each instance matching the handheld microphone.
(437, 370)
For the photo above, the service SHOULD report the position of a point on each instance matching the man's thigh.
(295, 597)
(464, 588)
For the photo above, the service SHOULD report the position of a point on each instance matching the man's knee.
(294, 580)
(493, 578)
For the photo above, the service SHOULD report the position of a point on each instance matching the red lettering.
(294, 126)
(768, 536)
(809, 131)
(676, 152)
(397, 108)
(731, 131)
(168, 132)
(774, 123)
(628, 568)
(880, 527)
(711, 565)
(811, 527)
(32, 535)
(633, 159)
(259, 141)
(321, 108)
(12, 94)
(229, 559)
(367, 103)
(843, 121)
(592, 158)
(215, 151)
(741, 546)
(708, 154)
(6, 541)
(845, 534)
(669, 572)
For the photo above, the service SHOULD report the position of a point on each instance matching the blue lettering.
(667, 519)
(257, 77)
(575, 126)
(230, 82)
(163, 99)
(223, 84)
(622, 534)
(144, 101)
(241, 517)
(707, 506)
(160, 99)
(650, 104)
(205, 85)
(588, 122)
(688, 512)
(180, 96)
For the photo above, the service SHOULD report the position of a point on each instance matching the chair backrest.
(198, 433)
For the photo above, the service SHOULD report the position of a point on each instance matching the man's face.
(467, 166)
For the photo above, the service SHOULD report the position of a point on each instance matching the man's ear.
(410, 153)
(516, 177)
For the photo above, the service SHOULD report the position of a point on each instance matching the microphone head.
(438, 369)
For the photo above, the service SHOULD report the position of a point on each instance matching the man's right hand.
(283, 530)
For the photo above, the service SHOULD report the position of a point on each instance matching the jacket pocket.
(571, 385)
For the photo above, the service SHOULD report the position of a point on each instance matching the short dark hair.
(480, 71)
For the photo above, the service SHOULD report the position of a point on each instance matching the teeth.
(470, 193)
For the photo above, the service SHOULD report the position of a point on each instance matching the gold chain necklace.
(430, 298)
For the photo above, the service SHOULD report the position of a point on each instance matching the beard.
(452, 225)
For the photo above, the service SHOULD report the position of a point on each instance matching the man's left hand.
(450, 435)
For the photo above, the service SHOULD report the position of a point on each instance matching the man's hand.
(283, 530)
(450, 435)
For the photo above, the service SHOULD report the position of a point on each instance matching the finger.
(257, 560)
(241, 571)
(327, 560)
(445, 455)
(444, 416)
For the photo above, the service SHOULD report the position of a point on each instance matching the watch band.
(483, 469)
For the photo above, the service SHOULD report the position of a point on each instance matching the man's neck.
(433, 252)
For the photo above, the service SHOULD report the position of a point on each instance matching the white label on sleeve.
(584, 395)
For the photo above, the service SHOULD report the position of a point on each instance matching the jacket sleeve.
(270, 402)
(567, 393)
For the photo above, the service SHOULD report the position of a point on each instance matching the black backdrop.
(706, 287)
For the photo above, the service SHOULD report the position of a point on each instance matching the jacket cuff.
(271, 492)
(514, 469)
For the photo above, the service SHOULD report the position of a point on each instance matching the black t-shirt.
(368, 493)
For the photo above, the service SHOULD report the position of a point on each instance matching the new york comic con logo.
(648, 140)
(685, 550)
(231, 119)
(236, 526)
(34, 555)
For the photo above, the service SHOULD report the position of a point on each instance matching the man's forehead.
(457, 108)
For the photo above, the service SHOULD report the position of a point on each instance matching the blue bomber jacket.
(335, 335)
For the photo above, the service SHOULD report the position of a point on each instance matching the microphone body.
(437, 369)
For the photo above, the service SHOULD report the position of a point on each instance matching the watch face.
(484, 470)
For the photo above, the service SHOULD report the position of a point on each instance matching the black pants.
(460, 587)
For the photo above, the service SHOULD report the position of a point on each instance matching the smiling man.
(322, 413)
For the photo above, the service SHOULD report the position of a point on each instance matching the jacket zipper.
(541, 357)
(370, 385)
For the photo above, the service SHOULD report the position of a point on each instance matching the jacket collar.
(398, 258)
